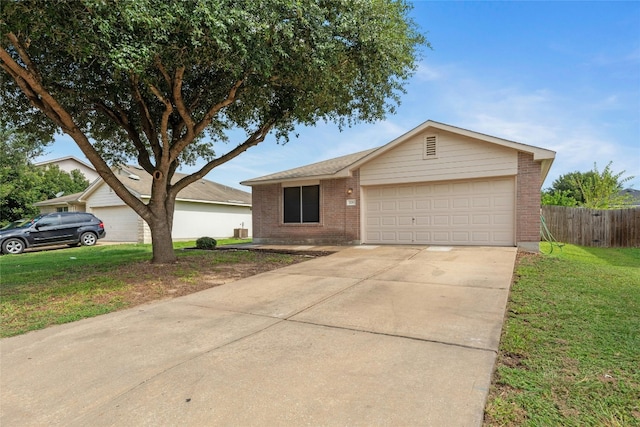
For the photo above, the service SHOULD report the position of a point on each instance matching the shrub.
(206, 243)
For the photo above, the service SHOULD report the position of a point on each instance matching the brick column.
(528, 203)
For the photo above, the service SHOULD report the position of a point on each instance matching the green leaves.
(164, 82)
(592, 189)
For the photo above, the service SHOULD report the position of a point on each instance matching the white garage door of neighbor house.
(478, 212)
(120, 223)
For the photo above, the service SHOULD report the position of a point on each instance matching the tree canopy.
(163, 82)
(592, 189)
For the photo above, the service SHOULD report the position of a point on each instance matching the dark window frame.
(301, 204)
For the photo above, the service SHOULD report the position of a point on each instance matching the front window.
(302, 204)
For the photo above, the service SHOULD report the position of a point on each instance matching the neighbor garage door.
(120, 223)
(478, 212)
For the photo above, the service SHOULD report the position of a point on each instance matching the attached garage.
(475, 212)
(120, 222)
(435, 185)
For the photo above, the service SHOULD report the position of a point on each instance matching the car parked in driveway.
(72, 228)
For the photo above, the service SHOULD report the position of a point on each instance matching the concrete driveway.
(395, 336)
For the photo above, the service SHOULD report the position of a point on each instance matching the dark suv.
(71, 228)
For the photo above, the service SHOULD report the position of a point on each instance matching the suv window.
(85, 217)
(49, 221)
(70, 219)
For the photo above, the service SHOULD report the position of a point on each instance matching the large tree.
(165, 81)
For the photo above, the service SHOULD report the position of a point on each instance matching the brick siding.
(528, 184)
(339, 223)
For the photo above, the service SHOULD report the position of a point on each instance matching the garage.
(120, 223)
(436, 184)
(469, 212)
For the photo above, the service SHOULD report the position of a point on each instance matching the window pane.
(291, 204)
(311, 203)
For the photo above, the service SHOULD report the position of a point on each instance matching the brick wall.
(339, 223)
(528, 185)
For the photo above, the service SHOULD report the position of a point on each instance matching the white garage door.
(120, 223)
(479, 212)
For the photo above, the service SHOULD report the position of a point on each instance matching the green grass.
(570, 350)
(39, 289)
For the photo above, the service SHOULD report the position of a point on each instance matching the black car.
(71, 228)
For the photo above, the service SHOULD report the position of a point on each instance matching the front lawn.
(50, 287)
(570, 348)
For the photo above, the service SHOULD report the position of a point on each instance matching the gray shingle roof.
(314, 170)
(70, 198)
(139, 181)
(202, 190)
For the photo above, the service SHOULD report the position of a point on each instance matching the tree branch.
(164, 123)
(148, 126)
(253, 140)
(163, 71)
(120, 117)
(199, 127)
(24, 55)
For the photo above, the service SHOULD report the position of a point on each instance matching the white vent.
(430, 145)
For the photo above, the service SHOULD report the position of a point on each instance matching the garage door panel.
(441, 204)
(505, 220)
(481, 219)
(423, 220)
(460, 219)
(441, 237)
(460, 237)
(405, 237)
(475, 212)
(480, 236)
(120, 223)
(481, 202)
(460, 203)
(440, 220)
(423, 204)
(405, 220)
(502, 202)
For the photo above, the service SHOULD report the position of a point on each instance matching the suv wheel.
(13, 246)
(88, 239)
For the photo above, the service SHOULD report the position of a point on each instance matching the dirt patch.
(148, 282)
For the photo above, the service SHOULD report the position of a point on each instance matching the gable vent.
(430, 151)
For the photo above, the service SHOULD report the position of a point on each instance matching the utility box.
(240, 233)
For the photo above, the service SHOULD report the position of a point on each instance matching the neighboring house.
(436, 185)
(203, 208)
(70, 163)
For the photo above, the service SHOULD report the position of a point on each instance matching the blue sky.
(560, 75)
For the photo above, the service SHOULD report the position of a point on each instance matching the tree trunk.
(162, 242)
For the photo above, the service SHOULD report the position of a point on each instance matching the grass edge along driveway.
(570, 348)
(45, 288)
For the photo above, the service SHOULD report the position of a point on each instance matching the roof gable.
(343, 166)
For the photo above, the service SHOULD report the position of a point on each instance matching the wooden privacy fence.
(594, 227)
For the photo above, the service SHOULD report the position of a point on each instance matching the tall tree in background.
(22, 184)
(603, 190)
(165, 81)
(592, 189)
(565, 188)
